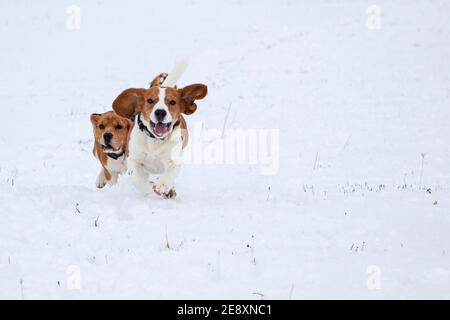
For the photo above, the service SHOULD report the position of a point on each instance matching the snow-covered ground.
(358, 94)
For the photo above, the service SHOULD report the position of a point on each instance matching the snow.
(359, 205)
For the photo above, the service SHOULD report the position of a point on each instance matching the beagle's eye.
(172, 102)
(119, 127)
(101, 126)
(150, 101)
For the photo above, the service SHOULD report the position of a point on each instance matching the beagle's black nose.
(107, 137)
(160, 114)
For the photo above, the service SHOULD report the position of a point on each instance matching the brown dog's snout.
(107, 136)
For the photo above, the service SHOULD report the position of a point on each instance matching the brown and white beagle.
(160, 132)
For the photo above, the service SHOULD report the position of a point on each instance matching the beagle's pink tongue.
(160, 128)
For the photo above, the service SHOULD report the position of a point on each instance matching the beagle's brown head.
(162, 107)
(111, 131)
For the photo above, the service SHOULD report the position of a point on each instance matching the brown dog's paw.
(100, 182)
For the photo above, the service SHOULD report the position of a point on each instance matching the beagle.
(111, 133)
(160, 132)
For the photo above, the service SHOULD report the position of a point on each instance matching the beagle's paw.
(164, 189)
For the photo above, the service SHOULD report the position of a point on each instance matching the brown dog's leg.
(103, 177)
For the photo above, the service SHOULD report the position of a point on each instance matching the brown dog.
(111, 133)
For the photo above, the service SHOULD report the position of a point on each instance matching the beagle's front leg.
(165, 184)
(139, 176)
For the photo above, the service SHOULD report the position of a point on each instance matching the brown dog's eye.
(101, 127)
(119, 127)
(172, 102)
(150, 101)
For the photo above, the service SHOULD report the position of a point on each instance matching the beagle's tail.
(175, 74)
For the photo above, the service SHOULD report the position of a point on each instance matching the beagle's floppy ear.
(129, 103)
(191, 93)
(94, 118)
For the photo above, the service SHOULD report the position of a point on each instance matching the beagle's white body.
(155, 156)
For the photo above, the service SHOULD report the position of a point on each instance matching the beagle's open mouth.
(160, 128)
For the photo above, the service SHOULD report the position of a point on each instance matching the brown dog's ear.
(94, 118)
(130, 124)
(191, 93)
(129, 103)
(158, 80)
